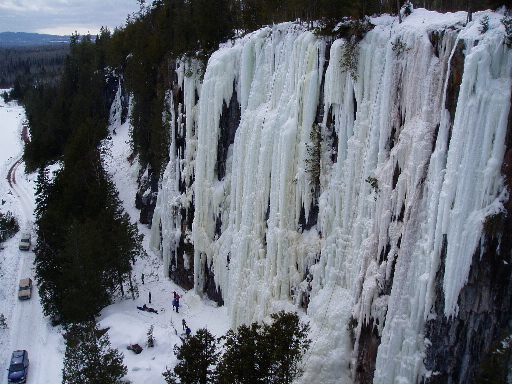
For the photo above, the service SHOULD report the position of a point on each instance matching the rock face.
(374, 199)
(145, 198)
(459, 343)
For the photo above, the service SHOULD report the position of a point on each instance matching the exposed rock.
(136, 348)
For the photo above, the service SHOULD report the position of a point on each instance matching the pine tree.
(265, 353)
(89, 357)
(197, 357)
(86, 243)
(286, 339)
(8, 226)
(244, 360)
(151, 339)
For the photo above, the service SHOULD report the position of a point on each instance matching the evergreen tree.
(8, 226)
(265, 353)
(286, 340)
(245, 359)
(89, 357)
(151, 339)
(197, 357)
(86, 243)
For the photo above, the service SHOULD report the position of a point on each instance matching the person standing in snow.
(176, 302)
(184, 323)
(142, 278)
(187, 331)
(149, 297)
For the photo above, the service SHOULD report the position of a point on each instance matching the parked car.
(25, 290)
(25, 242)
(18, 368)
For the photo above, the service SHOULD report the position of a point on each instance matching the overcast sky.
(63, 17)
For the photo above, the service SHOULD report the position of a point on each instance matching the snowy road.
(27, 327)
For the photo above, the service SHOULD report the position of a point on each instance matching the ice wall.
(405, 181)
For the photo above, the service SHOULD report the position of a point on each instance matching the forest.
(24, 65)
(143, 52)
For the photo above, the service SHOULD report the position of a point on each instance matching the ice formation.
(404, 177)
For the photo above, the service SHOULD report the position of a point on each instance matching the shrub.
(349, 57)
(313, 161)
(507, 23)
(484, 24)
(373, 182)
(8, 226)
(151, 339)
(3, 322)
(399, 47)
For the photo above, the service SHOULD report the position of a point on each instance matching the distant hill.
(16, 39)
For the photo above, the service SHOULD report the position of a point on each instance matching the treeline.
(167, 29)
(56, 111)
(27, 65)
(143, 52)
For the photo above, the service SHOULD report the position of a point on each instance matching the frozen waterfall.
(407, 177)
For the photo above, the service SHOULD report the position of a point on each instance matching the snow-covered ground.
(29, 329)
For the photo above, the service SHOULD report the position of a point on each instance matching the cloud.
(33, 5)
(63, 16)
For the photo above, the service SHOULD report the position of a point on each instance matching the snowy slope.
(405, 170)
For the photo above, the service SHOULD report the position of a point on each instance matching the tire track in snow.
(25, 314)
(25, 198)
(28, 327)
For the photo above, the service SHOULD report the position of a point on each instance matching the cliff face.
(368, 195)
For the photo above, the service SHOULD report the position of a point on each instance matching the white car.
(25, 241)
(25, 291)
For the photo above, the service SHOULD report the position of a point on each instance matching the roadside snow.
(27, 327)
